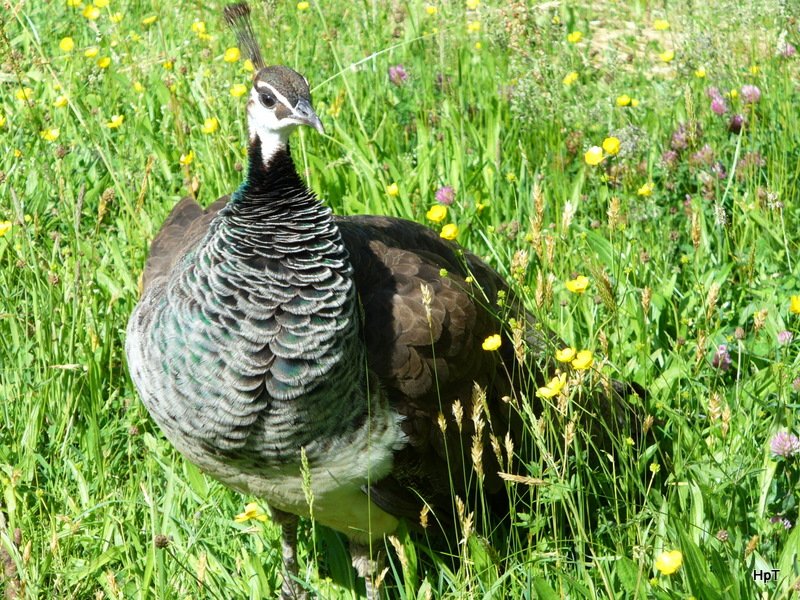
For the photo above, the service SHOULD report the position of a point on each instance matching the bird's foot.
(366, 565)
(291, 588)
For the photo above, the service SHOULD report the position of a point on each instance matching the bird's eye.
(267, 100)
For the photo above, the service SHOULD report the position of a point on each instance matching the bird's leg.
(367, 567)
(290, 589)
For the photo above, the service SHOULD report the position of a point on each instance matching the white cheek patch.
(262, 122)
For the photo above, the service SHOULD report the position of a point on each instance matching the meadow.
(650, 147)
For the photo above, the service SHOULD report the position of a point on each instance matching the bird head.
(279, 101)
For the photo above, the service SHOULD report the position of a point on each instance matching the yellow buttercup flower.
(74, 3)
(168, 65)
(91, 52)
(116, 17)
(50, 134)
(436, 213)
(91, 12)
(251, 511)
(668, 563)
(623, 100)
(700, 72)
(565, 355)
(473, 4)
(210, 125)
(553, 387)
(574, 37)
(430, 9)
(570, 78)
(5, 227)
(393, 189)
(61, 102)
(667, 56)
(186, 159)
(577, 285)
(248, 65)
(104, 62)
(3, 121)
(66, 44)
(231, 55)
(492, 343)
(754, 69)
(634, 102)
(474, 26)
(149, 20)
(115, 122)
(660, 24)
(646, 189)
(303, 5)
(611, 145)
(593, 156)
(199, 26)
(794, 305)
(23, 94)
(583, 360)
(237, 90)
(138, 87)
(449, 231)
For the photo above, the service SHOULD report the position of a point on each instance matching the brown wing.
(427, 364)
(183, 229)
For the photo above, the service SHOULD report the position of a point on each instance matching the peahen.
(274, 341)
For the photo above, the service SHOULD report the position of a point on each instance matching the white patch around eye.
(262, 122)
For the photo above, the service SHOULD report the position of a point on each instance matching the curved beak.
(305, 114)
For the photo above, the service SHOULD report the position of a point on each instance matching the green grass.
(709, 258)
